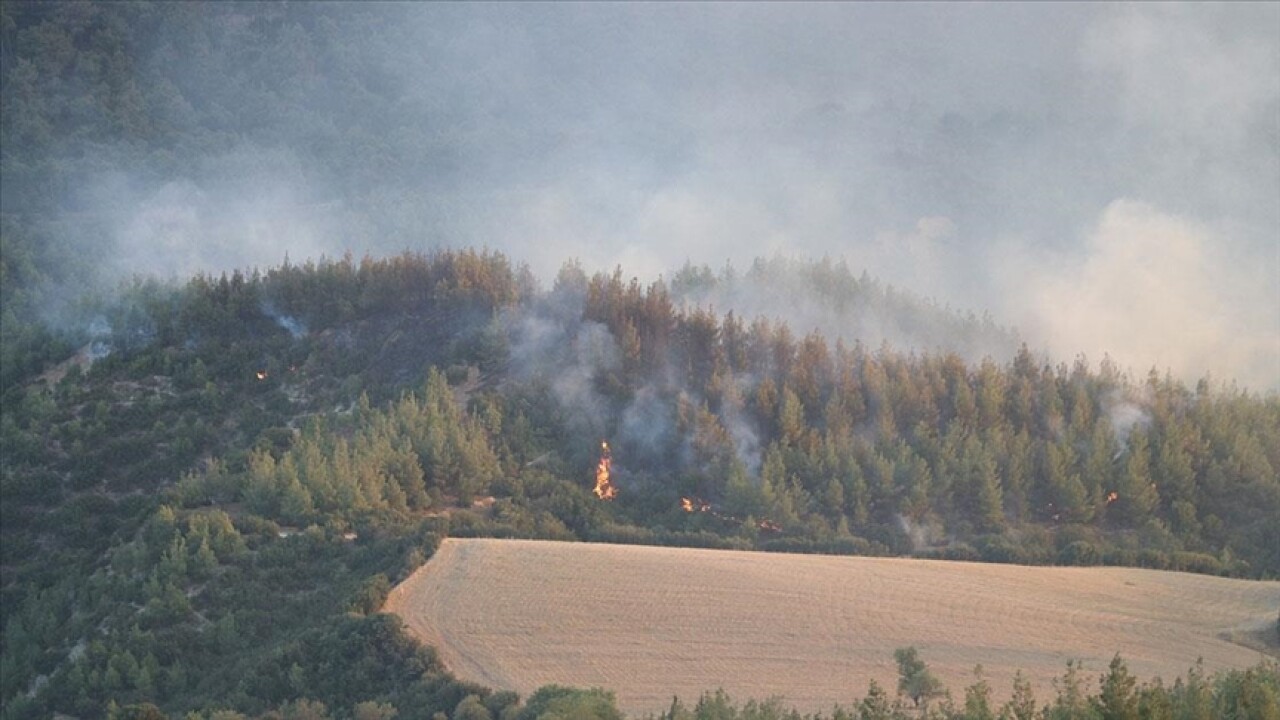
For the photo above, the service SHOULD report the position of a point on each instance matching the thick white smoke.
(1157, 290)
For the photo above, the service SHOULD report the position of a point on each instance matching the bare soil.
(650, 622)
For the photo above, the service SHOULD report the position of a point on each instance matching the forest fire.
(693, 504)
(1112, 497)
(261, 374)
(605, 490)
(696, 504)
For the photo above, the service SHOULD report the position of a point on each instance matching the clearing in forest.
(650, 622)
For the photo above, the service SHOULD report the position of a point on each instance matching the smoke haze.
(1106, 178)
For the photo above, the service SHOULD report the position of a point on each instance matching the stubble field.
(650, 622)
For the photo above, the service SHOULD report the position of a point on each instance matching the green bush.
(1153, 559)
(555, 702)
(1079, 552)
(371, 595)
(1196, 563)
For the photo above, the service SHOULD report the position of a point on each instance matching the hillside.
(652, 622)
(313, 395)
(255, 367)
(213, 433)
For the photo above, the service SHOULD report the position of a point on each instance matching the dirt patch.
(650, 622)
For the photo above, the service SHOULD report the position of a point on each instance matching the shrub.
(1196, 563)
(1078, 552)
(1153, 559)
(369, 598)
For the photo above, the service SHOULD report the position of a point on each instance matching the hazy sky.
(1105, 177)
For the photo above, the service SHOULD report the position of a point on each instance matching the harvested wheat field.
(649, 622)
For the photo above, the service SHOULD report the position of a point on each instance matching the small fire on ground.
(693, 504)
(698, 505)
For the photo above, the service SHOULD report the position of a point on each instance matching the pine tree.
(1072, 701)
(1066, 500)
(979, 494)
(1022, 705)
(295, 500)
(204, 561)
(876, 705)
(977, 698)
(1135, 487)
(1118, 699)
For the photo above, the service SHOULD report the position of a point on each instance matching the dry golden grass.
(649, 622)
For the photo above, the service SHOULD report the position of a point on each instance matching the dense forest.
(210, 483)
(261, 455)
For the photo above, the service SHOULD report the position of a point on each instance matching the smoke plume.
(1105, 178)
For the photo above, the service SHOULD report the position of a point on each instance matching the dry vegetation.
(648, 622)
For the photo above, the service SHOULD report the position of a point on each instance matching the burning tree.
(605, 490)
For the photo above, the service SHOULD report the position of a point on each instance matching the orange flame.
(604, 489)
(1112, 497)
(694, 504)
(262, 374)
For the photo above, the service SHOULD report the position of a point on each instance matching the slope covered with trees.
(190, 463)
(136, 136)
(259, 454)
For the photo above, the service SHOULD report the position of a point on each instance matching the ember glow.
(696, 504)
(604, 489)
(262, 374)
(769, 525)
(1112, 497)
